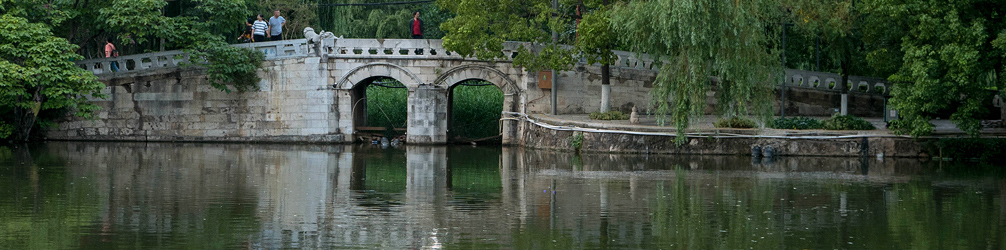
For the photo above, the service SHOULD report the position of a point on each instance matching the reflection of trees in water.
(922, 216)
(785, 214)
(167, 195)
(41, 206)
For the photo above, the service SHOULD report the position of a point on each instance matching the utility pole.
(555, 81)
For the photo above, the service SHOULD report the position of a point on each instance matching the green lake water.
(71, 195)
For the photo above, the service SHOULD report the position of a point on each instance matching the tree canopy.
(38, 75)
(941, 56)
(695, 39)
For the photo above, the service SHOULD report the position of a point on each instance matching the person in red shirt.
(416, 26)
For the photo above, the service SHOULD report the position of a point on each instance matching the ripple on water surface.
(66, 195)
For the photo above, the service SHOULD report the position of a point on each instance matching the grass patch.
(476, 112)
(610, 115)
(796, 123)
(847, 122)
(734, 122)
(387, 107)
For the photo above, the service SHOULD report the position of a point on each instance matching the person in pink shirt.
(111, 52)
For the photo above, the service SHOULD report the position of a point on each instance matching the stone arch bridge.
(312, 92)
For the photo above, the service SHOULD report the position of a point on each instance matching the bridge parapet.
(406, 49)
(174, 58)
(826, 81)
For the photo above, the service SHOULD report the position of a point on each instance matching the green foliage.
(476, 111)
(610, 115)
(983, 149)
(228, 65)
(734, 122)
(141, 21)
(940, 55)
(576, 141)
(847, 122)
(479, 29)
(700, 38)
(387, 107)
(39, 76)
(796, 123)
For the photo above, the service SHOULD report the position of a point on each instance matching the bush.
(796, 123)
(982, 149)
(734, 122)
(847, 122)
(610, 115)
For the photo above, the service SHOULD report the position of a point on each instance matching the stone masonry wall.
(580, 93)
(178, 104)
(545, 138)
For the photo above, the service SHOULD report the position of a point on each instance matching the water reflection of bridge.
(344, 196)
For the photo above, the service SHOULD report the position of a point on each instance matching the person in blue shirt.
(276, 23)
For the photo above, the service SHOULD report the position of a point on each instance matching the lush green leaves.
(945, 55)
(39, 76)
(695, 39)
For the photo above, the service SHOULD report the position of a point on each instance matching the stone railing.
(634, 61)
(829, 82)
(405, 49)
(174, 58)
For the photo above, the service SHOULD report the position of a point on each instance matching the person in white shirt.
(259, 29)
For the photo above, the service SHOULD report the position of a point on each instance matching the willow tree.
(699, 44)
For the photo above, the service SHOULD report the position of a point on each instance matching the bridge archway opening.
(380, 108)
(474, 110)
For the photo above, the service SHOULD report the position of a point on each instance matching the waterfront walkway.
(704, 124)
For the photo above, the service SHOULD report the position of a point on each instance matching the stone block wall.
(580, 93)
(580, 90)
(179, 104)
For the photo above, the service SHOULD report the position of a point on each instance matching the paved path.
(705, 124)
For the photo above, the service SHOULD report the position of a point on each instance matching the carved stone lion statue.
(319, 39)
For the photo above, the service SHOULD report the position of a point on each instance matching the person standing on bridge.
(111, 52)
(416, 26)
(259, 29)
(276, 23)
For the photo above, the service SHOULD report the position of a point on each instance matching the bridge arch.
(456, 76)
(351, 94)
(357, 75)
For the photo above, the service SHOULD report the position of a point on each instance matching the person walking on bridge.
(111, 52)
(416, 26)
(276, 23)
(259, 29)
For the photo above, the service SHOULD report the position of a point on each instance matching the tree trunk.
(846, 67)
(605, 88)
(24, 119)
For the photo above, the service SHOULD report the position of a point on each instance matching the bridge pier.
(427, 123)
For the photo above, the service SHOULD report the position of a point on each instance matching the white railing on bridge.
(434, 49)
(405, 49)
(174, 58)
